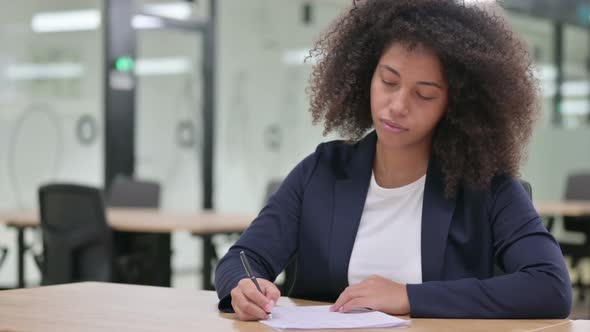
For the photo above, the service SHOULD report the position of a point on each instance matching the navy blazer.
(316, 212)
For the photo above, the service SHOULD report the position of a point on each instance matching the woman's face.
(408, 96)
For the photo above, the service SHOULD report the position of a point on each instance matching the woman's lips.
(393, 127)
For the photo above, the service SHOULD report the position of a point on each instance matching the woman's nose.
(398, 104)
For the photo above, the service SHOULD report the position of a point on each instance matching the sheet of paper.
(320, 317)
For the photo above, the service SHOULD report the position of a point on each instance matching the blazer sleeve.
(271, 240)
(536, 283)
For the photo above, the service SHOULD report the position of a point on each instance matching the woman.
(413, 217)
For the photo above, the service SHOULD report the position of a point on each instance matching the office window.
(169, 107)
(50, 101)
(263, 121)
(575, 105)
(50, 97)
(538, 34)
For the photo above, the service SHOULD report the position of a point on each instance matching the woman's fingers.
(249, 303)
(348, 294)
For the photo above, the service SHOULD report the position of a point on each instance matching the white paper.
(320, 317)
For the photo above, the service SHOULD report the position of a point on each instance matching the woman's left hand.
(376, 293)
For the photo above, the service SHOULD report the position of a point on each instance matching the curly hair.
(492, 91)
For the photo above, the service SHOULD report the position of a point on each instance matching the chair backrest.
(527, 187)
(128, 192)
(271, 188)
(76, 237)
(578, 188)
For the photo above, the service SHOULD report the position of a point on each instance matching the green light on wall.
(124, 63)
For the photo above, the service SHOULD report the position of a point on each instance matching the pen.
(251, 275)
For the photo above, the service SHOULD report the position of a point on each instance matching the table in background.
(549, 210)
(204, 224)
(563, 208)
(207, 224)
(92, 306)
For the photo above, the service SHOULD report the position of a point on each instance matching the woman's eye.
(388, 82)
(424, 97)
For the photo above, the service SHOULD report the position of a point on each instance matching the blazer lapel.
(437, 213)
(350, 193)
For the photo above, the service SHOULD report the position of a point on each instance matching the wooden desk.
(563, 208)
(114, 307)
(204, 224)
(552, 209)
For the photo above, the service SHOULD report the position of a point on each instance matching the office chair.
(141, 258)
(577, 188)
(527, 187)
(132, 193)
(76, 238)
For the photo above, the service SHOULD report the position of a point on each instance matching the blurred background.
(207, 99)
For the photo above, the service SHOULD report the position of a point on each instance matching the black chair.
(577, 188)
(76, 238)
(271, 188)
(527, 187)
(141, 258)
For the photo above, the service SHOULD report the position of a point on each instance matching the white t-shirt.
(388, 239)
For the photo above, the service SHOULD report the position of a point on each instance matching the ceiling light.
(75, 20)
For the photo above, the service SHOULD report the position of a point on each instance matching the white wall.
(553, 154)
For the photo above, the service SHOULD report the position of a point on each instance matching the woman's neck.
(394, 168)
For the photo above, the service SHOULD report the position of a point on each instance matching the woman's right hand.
(249, 303)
